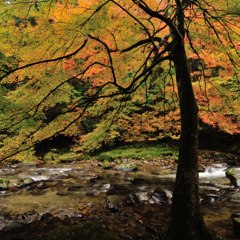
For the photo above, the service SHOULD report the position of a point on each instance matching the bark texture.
(186, 219)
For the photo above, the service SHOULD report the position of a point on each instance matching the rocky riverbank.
(130, 199)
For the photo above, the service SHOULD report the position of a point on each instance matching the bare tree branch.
(46, 60)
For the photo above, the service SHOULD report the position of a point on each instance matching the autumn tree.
(115, 47)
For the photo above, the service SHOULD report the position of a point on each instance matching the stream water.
(71, 187)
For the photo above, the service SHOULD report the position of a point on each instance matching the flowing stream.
(70, 187)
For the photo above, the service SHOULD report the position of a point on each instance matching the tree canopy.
(69, 55)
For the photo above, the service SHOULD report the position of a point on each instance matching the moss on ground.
(137, 152)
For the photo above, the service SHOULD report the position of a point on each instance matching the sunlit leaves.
(45, 99)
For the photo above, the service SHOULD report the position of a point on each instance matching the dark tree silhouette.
(176, 16)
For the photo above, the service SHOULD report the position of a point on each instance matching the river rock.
(28, 217)
(126, 167)
(115, 202)
(106, 165)
(209, 199)
(133, 200)
(233, 174)
(27, 181)
(106, 186)
(144, 196)
(4, 183)
(160, 196)
(42, 185)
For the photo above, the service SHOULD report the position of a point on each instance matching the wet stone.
(4, 183)
(126, 167)
(42, 185)
(107, 186)
(27, 181)
(115, 202)
(159, 196)
(28, 217)
(133, 199)
(4, 194)
(143, 196)
(209, 199)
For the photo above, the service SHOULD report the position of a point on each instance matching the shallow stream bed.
(74, 189)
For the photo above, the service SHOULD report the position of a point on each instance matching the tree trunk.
(186, 219)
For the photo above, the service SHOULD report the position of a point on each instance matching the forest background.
(66, 101)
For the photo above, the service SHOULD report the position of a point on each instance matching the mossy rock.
(118, 161)
(4, 183)
(89, 231)
(106, 164)
(51, 156)
(233, 171)
(233, 174)
(115, 202)
(126, 167)
(27, 181)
